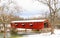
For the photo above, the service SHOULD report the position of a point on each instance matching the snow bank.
(57, 31)
(45, 35)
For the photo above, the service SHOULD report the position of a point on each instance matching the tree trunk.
(4, 30)
(52, 30)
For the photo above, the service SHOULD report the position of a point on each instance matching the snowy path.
(45, 35)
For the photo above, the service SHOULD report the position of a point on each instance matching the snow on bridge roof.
(30, 21)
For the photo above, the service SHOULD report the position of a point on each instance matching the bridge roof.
(29, 21)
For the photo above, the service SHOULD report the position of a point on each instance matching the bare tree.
(7, 8)
(53, 9)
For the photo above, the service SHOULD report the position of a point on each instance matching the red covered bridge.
(30, 24)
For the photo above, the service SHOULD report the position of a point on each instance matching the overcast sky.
(31, 8)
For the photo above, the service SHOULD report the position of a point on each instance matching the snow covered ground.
(45, 35)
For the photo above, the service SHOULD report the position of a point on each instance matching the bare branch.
(57, 10)
(50, 7)
(42, 2)
(47, 3)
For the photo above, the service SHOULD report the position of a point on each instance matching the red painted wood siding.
(36, 25)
